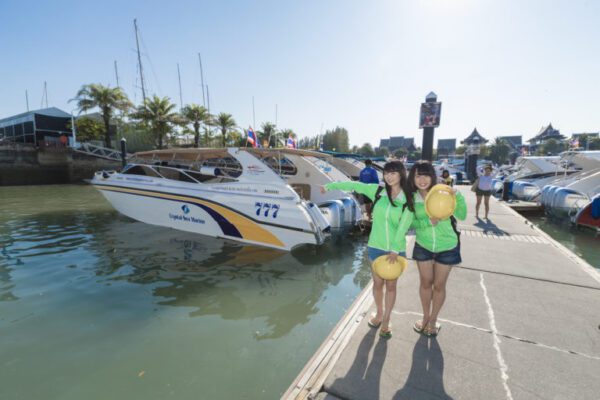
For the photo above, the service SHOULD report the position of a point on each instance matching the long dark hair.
(421, 167)
(395, 166)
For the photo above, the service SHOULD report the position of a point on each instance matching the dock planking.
(520, 322)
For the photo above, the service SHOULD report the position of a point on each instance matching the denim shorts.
(373, 253)
(448, 257)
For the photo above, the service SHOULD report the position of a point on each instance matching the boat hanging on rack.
(267, 197)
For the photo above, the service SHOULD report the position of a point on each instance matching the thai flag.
(575, 143)
(251, 138)
(291, 143)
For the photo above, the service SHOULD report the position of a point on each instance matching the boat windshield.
(280, 165)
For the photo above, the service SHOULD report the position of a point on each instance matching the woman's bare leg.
(426, 287)
(477, 205)
(486, 203)
(440, 277)
(378, 297)
(390, 300)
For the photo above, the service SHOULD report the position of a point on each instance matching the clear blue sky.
(505, 67)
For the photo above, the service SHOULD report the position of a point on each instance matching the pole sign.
(430, 115)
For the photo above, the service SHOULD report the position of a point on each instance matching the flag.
(251, 138)
(575, 143)
(291, 143)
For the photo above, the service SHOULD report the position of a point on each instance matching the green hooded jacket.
(438, 238)
(386, 218)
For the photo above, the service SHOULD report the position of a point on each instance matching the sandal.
(385, 334)
(419, 326)
(373, 324)
(432, 332)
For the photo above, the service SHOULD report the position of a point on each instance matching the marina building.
(38, 128)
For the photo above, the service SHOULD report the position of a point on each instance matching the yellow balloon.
(440, 202)
(387, 270)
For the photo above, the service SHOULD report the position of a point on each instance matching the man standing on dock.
(368, 175)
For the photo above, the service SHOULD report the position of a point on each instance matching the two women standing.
(396, 209)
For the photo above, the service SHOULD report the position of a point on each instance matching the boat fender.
(212, 171)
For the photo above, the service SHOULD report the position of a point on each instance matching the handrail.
(101, 152)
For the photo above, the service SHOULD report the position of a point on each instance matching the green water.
(94, 305)
(582, 241)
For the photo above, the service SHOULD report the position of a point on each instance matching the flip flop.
(429, 332)
(373, 325)
(385, 334)
(416, 326)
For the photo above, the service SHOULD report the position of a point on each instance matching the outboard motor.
(334, 212)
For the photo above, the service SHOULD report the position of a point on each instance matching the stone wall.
(26, 165)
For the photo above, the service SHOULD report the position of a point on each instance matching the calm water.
(94, 305)
(583, 242)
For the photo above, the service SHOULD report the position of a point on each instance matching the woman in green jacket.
(437, 245)
(383, 238)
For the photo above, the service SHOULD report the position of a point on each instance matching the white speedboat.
(567, 195)
(265, 197)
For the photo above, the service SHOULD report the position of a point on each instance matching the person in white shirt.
(483, 189)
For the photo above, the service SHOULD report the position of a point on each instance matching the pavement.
(521, 321)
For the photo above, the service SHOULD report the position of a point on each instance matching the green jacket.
(386, 218)
(438, 238)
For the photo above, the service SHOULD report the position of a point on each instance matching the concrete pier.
(521, 321)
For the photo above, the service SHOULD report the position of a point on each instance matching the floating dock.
(521, 321)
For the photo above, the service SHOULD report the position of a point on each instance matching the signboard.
(430, 115)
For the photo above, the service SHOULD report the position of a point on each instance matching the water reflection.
(218, 277)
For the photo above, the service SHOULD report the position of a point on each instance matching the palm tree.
(268, 131)
(106, 99)
(196, 115)
(226, 123)
(158, 113)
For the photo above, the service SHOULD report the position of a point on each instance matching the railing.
(101, 152)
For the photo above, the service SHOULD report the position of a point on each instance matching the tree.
(88, 129)
(159, 115)
(366, 150)
(460, 150)
(106, 99)
(401, 153)
(499, 151)
(267, 133)
(336, 140)
(225, 123)
(382, 151)
(196, 115)
(551, 146)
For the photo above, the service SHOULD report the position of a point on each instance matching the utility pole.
(202, 80)
(27, 99)
(137, 43)
(180, 95)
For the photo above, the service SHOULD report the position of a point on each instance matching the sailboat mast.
(137, 42)
(202, 80)
(180, 95)
(253, 115)
(117, 74)
(27, 99)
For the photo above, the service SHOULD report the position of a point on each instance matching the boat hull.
(233, 217)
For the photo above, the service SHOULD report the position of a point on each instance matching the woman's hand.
(392, 257)
(322, 189)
